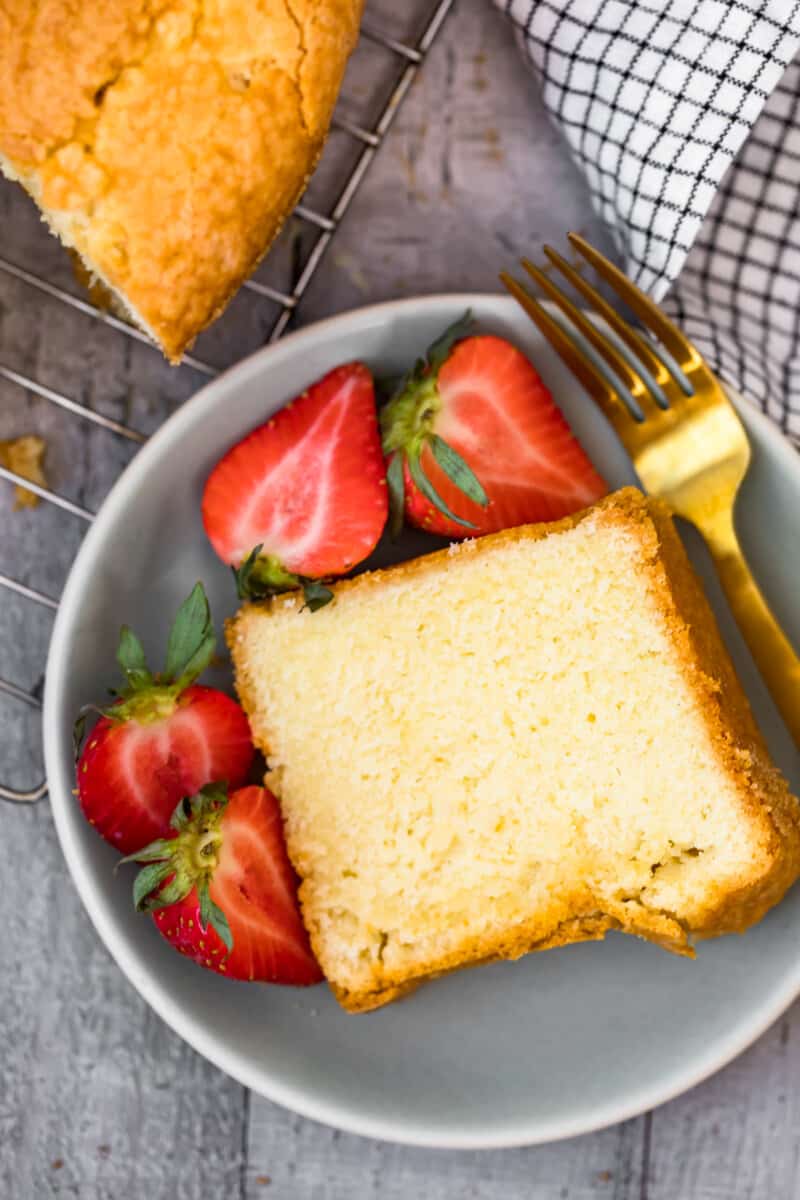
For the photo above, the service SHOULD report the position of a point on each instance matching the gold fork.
(693, 453)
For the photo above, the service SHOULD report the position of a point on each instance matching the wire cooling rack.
(406, 57)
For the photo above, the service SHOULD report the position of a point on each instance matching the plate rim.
(147, 984)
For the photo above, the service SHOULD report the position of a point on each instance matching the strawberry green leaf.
(219, 922)
(177, 864)
(209, 798)
(146, 882)
(130, 656)
(174, 889)
(211, 914)
(457, 470)
(418, 371)
(243, 574)
(181, 815)
(385, 388)
(395, 481)
(263, 575)
(429, 492)
(192, 640)
(157, 851)
(78, 732)
(205, 904)
(198, 662)
(316, 595)
(439, 350)
(79, 726)
(258, 578)
(408, 420)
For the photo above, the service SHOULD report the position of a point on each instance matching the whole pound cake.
(516, 743)
(166, 140)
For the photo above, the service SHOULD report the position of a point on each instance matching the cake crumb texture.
(515, 744)
(166, 140)
(25, 456)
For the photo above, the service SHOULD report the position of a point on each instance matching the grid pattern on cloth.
(685, 121)
(738, 295)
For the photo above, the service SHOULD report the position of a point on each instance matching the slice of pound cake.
(516, 743)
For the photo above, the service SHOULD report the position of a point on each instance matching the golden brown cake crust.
(167, 140)
(735, 738)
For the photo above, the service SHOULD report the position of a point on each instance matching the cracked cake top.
(166, 142)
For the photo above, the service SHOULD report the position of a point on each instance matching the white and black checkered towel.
(684, 116)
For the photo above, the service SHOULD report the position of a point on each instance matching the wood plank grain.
(736, 1135)
(97, 1097)
(471, 177)
(293, 1159)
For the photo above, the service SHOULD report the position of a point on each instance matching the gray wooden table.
(98, 1099)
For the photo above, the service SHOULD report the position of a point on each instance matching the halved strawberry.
(302, 497)
(163, 738)
(222, 890)
(476, 444)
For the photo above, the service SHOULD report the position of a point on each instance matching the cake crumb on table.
(24, 456)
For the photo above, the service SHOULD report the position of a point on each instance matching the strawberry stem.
(147, 697)
(192, 640)
(263, 575)
(188, 860)
(395, 481)
(204, 848)
(439, 351)
(407, 420)
(408, 425)
(145, 707)
(315, 594)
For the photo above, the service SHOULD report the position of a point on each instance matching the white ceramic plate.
(551, 1046)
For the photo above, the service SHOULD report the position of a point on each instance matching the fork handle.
(773, 653)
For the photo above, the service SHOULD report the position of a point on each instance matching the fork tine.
(633, 340)
(581, 367)
(631, 379)
(678, 345)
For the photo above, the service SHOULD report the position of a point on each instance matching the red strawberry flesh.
(308, 486)
(132, 773)
(490, 405)
(252, 881)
